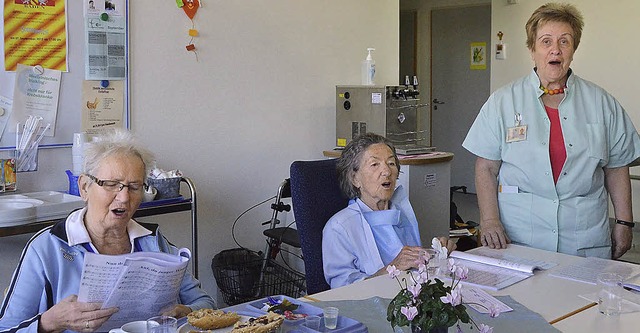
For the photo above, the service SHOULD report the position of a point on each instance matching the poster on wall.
(102, 107)
(478, 55)
(105, 40)
(36, 94)
(35, 33)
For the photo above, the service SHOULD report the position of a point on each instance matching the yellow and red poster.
(35, 33)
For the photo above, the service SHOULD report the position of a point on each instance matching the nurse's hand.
(492, 234)
(621, 239)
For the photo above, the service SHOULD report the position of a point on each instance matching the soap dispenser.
(368, 68)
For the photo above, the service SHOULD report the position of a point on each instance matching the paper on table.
(587, 270)
(141, 284)
(481, 301)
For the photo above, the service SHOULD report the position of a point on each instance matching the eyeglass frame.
(101, 183)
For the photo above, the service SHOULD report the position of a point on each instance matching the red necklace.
(552, 91)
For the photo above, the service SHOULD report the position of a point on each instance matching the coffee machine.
(391, 111)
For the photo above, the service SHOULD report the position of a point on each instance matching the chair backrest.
(316, 196)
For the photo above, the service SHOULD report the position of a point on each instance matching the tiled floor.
(468, 209)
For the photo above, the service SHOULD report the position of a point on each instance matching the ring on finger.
(86, 324)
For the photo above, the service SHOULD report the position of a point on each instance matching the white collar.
(77, 233)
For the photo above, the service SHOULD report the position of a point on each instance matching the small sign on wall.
(430, 180)
(479, 55)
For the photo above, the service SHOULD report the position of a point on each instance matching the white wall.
(607, 54)
(260, 96)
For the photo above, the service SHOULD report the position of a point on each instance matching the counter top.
(428, 158)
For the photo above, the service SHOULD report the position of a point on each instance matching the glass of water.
(610, 294)
(330, 317)
(162, 324)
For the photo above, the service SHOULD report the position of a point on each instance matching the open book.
(141, 284)
(490, 268)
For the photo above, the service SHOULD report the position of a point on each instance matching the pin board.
(70, 103)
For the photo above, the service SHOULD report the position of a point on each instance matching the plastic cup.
(330, 317)
(162, 324)
(312, 322)
(610, 294)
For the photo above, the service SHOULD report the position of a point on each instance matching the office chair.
(316, 196)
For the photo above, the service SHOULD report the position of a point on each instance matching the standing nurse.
(551, 148)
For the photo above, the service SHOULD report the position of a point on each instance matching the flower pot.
(417, 329)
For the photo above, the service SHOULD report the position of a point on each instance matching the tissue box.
(167, 187)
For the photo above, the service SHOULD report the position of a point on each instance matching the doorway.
(458, 91)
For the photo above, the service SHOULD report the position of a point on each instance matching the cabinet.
(146, 209)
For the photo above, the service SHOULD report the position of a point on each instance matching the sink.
(16, 212)
(24, 208)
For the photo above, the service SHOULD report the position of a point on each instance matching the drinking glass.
(313, 322)
(610, 293)
(162, 324)
(330, 317)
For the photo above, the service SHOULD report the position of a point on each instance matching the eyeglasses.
(116, 186)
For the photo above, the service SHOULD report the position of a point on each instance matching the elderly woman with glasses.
(42, 295)
(378, 228)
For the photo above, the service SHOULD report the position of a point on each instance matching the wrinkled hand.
(492, 234)
(621, 239)
(69, 314)
(178, 311)
(407, 258)
(448, 243)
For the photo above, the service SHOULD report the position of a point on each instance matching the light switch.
(501, 51)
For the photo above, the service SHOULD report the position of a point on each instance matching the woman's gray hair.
(115, 142)
(554, 12)
(349, 161)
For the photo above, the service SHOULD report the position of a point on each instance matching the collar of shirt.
(77, 233)
(535, 81)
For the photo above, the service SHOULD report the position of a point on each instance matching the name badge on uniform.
(517, 133)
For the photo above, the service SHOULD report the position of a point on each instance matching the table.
(551, 297)
(427, 177)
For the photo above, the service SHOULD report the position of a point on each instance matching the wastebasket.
(237, 273)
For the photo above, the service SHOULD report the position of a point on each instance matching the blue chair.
(316, 196)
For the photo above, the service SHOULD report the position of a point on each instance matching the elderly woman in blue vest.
(378, 228)
(551, 148)
(42, 294)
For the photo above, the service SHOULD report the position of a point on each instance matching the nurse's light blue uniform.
(357, 241)
(570, 216)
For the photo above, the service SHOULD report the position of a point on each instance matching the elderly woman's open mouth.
(386, 185)
(119, 211)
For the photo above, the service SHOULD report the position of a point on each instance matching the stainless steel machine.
(391, 111)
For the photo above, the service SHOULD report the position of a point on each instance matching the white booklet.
(141, 284)
(490, 268)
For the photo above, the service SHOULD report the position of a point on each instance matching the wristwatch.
(628, 224)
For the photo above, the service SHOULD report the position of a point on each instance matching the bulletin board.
(69, 115)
